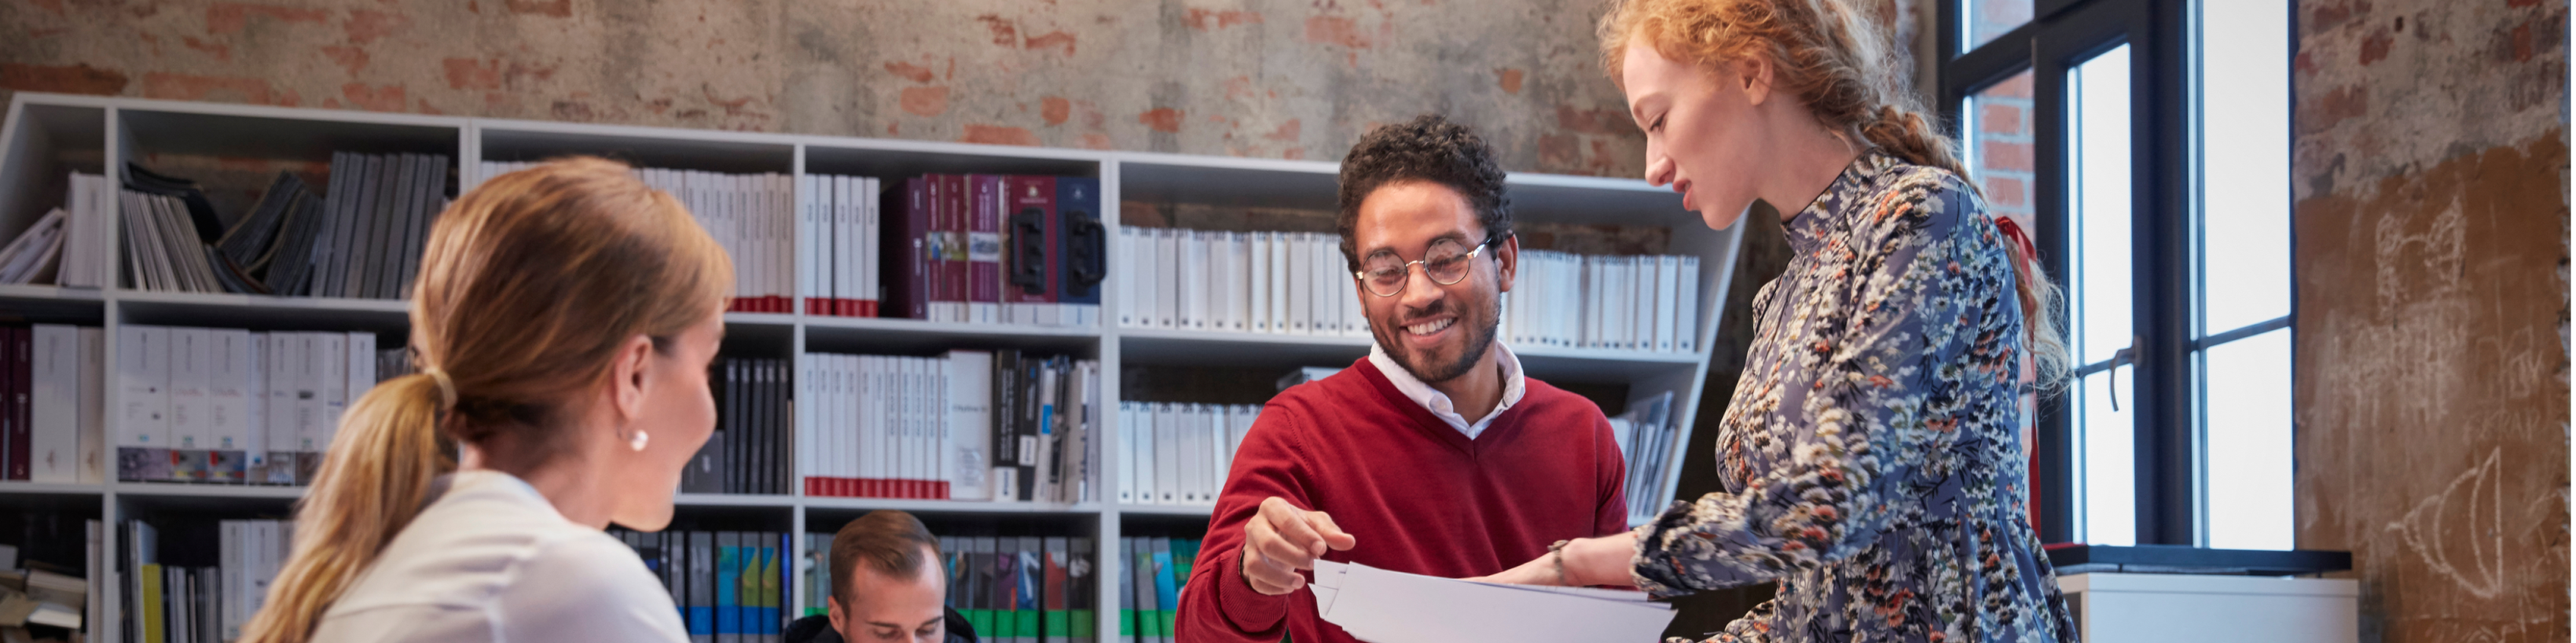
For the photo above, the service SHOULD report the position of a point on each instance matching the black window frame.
(2060, 35)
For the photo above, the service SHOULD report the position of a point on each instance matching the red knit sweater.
(1416, 494)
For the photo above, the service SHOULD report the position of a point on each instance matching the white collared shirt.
(492, 560)
(1438, 403)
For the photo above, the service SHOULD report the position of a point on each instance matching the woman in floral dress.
(1870, 459)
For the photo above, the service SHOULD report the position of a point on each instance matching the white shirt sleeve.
(587, 587)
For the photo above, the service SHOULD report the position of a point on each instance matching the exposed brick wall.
(2004, 150)
(1263, 78)
(1235, 77)
(1991, 18)
(2431, 396)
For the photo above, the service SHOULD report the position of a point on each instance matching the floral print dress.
(1871, 457)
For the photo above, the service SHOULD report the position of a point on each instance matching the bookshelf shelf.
(47, 136)
(260, 312)
(874, 157)
(48, 293)
(48, 304)
(732, 500)
(243, 131)
(24, 488)
(1201, 511)
(948, 507)
(760, 320)
(661, 148)
(176, 490)
(1212, 348)
(825, 334)
(228, 300)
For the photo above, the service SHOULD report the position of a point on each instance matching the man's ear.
(833, 612)
(1507, 261)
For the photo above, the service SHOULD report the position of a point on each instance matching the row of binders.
(751, 215)
(177, 590)
(1243, 282)
(1157, 571)
(995, 248)
(730, 586)
(52, 411)
(1637, 303)
(844, 237)
(1178, 454)
(69, 245)
(231, 406)
(1023, 589)
(967, 425)
(1646, 434)
(747, 452)
(964, 248)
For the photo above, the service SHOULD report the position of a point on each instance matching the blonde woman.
(564, 319)
(1870, 461)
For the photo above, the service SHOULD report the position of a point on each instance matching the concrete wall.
(2431, 260)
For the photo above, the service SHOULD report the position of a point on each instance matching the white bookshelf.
(48, 135)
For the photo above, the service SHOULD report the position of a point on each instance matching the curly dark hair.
(1427, 148)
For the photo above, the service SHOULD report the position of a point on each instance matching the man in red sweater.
(1433, 455)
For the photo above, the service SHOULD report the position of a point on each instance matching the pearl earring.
(641, 438)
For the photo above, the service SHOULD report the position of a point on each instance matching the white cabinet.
(2158, 608)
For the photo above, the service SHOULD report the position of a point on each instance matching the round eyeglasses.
(1384, 274)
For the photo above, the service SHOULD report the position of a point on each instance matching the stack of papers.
(1381, 606)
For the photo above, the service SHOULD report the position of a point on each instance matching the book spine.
(1082, 590)
(913, 249)
(702, 582)
(1031, 593)
(1083, 264)
(15, 372)
(54, 404)
(1056, 619)
(983, 244)
(728, 589)
(1166, 588)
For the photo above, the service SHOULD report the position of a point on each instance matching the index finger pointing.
(1331, 533)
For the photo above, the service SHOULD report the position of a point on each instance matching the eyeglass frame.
(1362, 275)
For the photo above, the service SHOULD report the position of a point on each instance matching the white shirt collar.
(1438, 403)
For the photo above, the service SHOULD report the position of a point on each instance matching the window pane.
(2098, 178)
(1988, 19)
(2247, 398)
(2001, 149)
(2105, 461)
(2099, 155)
(2244, 162)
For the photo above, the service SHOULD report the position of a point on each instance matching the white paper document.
(1381, 606)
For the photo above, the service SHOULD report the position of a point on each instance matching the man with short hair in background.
(887, 585)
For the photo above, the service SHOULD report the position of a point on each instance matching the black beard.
(1481, 341)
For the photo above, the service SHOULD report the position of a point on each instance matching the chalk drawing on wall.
(2460, 531)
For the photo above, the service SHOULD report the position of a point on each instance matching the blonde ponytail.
(528, 286)
(1841, 65)
(372, 483)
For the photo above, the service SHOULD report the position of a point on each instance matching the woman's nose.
(1659, 169)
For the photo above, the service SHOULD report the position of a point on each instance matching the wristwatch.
(1556, 554)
